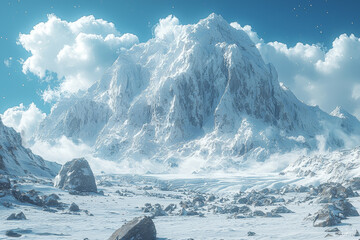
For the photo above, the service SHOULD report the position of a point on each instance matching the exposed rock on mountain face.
(18, 160)
(197, 91)
(76, 175)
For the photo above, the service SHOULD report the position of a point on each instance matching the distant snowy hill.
(18, 160)
(198, 95)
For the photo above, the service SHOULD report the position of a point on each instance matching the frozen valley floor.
(206, 208)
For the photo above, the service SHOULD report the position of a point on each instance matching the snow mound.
(194, 97)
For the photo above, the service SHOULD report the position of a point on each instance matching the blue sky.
(284, 21)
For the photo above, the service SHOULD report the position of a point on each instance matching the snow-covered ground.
(115, 208)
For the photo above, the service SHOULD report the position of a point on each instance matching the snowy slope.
(19, 161)
(335, 166)
(195, 95)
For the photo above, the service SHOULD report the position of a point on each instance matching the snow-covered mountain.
(198, 95)
(18, 160)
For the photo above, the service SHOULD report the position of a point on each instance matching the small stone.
(332, 230)
(251, 234)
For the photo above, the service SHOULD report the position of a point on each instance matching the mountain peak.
(340, 112)
(197, 91)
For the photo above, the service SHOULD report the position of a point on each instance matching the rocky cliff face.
(197, 91)
(18, 160)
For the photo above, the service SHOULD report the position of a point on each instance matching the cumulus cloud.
(24, 120)
(317, 76)
(167, 27)
(78, 53)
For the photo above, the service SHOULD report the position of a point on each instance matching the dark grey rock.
(302, 189)
(19, 216)
(356, 234)
(141, 228)
(272, 215)
(171, 207)
(244, 209)
(158, 211)
(347, 209)
(281, 209)
(211, 198)
(258, 213)
(184, 212)
(334, 191)
(52, 200)
(76, 175)
(250, 234)
(11, 233)
(4, 182)
(332, 230)
(355, 183)
(31, 197)
(74, 207)
(326, 217)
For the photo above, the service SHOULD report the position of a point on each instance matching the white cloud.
(8, 61)
(317, 76)
(77, 52)
(23, 120)
(167, 27)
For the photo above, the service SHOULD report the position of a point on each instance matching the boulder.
(326, 217)
(76, 175)
(140, 228)
(4, 182)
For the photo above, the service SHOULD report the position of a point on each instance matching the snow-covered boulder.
(326, 217)
(141, 228)
(76, 175)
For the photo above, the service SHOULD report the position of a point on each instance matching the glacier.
(195, 96)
